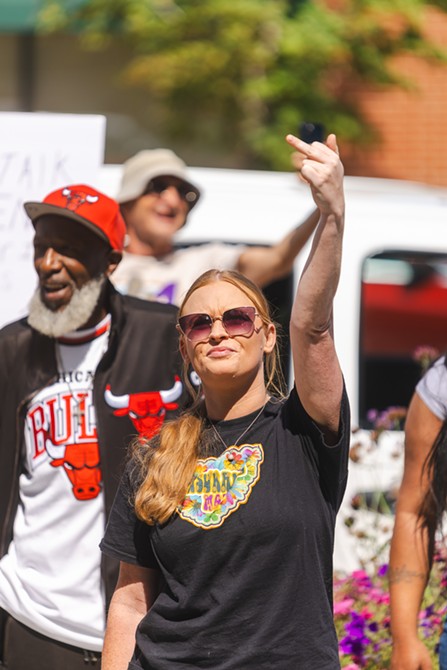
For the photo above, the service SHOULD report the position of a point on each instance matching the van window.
(403, 324)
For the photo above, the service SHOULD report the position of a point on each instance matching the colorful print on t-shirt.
(220, 485)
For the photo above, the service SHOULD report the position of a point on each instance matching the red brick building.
(412, 124)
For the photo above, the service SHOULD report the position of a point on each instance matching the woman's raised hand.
(321, 167)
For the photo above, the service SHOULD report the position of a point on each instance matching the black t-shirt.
(247, 561)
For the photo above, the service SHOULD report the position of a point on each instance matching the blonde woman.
(224, 524)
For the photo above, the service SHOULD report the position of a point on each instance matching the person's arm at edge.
(318, 377)
(408, 567)
(135, 592)
(266, 264)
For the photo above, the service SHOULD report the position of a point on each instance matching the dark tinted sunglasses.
(159, 184)
(236, 321)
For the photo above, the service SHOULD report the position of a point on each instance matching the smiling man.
(156, 197)
(79, 377)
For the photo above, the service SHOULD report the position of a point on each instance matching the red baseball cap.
(88, 207)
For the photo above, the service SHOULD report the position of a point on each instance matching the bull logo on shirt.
(70, 440)
(62, 426)
(81, 463)
(147, 411)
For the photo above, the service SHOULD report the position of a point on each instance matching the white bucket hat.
(147, 164)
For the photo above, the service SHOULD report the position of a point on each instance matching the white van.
(392, 300)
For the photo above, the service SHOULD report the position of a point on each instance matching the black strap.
(3, 619)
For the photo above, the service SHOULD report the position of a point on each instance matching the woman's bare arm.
(318, 377)
(409, 565)
(134, 595)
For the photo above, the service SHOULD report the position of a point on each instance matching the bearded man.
(79, 377)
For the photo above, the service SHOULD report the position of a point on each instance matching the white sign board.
(38, 153)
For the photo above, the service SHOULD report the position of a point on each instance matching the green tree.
(248, 71)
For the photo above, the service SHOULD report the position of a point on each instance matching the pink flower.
(343, 606)
(366, 613)
(360, 575)
(378, 596)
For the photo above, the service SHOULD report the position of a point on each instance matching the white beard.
(72, 316)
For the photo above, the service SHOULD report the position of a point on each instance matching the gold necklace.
(245, 431)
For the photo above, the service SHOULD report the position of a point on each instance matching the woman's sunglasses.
(236, 321)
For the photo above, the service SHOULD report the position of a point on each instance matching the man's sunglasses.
(236, 321)
(160, 184)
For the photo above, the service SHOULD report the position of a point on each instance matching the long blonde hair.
(166, 463)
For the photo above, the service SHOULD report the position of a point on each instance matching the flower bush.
(361, 599)
(391, 418)
(362, 616)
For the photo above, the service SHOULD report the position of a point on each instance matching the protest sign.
(39, 152)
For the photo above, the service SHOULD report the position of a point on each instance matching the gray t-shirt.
(432, 389)
(167, 279)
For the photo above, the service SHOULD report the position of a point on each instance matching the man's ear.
(114, 259)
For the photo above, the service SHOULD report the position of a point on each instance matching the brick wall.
(412, 124)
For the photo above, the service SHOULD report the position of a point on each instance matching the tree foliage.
(248, 71)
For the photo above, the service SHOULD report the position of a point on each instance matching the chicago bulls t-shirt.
(247, 561)
(50, 578)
